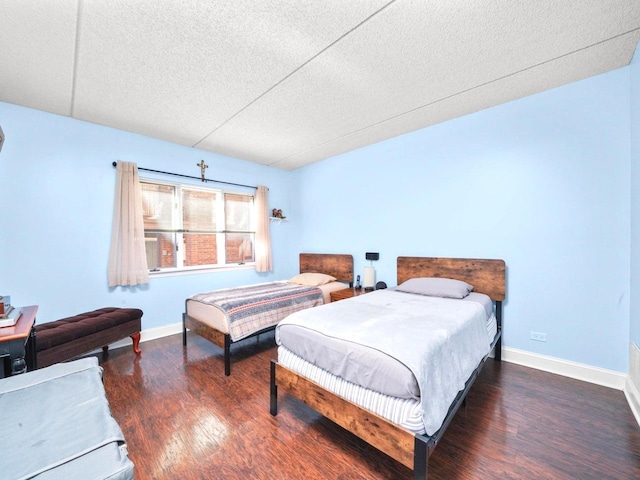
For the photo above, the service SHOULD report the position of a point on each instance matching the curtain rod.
(115, 164)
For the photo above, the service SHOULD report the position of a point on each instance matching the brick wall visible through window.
(186, 226)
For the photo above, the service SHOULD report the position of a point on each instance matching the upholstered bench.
(70, 337)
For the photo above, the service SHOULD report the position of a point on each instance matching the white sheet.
(451, 339)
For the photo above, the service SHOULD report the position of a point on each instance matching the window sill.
(196, 270)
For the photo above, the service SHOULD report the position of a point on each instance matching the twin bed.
(393, 366)
(230, 315)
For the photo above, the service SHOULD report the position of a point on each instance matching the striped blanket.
(256, 307)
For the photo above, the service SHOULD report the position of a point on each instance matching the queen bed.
(358, 363)
(229, 315)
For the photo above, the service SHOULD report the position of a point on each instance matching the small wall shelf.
(278, 219)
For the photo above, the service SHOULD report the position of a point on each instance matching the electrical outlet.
(538, 337)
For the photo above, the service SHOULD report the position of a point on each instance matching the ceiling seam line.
(455, 95)
(76, 54)
(297, 69)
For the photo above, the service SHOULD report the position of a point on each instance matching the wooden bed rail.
(373, 429)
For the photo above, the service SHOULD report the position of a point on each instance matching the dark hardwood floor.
(183, 419)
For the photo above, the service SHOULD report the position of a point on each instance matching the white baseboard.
(586, 373)
(633, 398)
(579, 371)
(633, 381)
(151, 334)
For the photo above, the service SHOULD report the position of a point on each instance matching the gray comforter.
(58, 425)
(440, 340)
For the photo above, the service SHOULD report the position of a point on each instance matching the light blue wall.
(542, 182)
(56, 199)
(635, 199)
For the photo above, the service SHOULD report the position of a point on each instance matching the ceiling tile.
(289, 83)
(37, 50)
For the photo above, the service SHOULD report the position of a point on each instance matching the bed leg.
(420, 459)
(497, 354)
(227, 354)
(184, 331)
(273, 404)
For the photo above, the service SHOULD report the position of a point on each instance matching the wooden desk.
(17, 344)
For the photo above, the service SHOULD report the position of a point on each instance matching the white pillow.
(436, 287)
(312, 279)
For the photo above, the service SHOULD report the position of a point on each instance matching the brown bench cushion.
(52, 334)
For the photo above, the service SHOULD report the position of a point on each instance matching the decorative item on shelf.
(370, 272)
(276, 214)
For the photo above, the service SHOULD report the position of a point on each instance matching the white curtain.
(127, 257)
(263, 233)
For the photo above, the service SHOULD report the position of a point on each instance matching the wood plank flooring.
(182, 418)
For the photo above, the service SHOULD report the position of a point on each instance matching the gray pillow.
(436, 287)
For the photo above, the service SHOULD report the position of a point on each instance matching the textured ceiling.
(286, 83)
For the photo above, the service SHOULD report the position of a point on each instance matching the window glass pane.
(198, 210)
(157, 201)
(161, 250)
(239, 247)
(200, 249)
(237, 212)
(188, 226)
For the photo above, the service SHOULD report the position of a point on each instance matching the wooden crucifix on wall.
(202, 166)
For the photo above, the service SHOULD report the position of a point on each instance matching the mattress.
(361, 365)
(398, 344)
(405, 412)
(217, 319)
(60, 426)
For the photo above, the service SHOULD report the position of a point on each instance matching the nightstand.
(17, 344)
(347, 293)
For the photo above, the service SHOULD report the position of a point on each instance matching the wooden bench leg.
(136, 343)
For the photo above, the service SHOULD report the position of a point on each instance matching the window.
(187, 227)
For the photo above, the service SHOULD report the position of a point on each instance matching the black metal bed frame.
(227, 342)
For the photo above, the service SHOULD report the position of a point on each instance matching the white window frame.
(178, 228)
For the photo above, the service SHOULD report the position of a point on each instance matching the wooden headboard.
(337, 265)
(486, 276)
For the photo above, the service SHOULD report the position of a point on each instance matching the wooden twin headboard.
(486, 276)
(336, 265)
